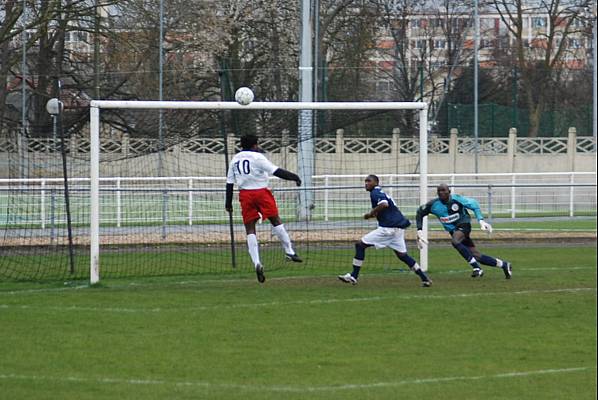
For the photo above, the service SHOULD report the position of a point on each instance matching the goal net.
(146, 184)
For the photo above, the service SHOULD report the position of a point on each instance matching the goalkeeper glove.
(421, 241)
(485, 226)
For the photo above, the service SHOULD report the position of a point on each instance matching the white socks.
(357, 263)
(253, 248)
(284, 238)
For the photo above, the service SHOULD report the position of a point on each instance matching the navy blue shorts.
(466, 229)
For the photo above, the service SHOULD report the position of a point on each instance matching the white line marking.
(250, 279)
(289, 388)
(289, 303)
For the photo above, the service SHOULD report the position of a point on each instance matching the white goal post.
(96, 105)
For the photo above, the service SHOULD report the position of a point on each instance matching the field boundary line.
(289, 388)
(289, 303)
(250, 279)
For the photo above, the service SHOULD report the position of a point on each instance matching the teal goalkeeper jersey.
(450, 214)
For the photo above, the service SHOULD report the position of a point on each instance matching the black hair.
(373, 177)
(444, 185)
(248, 141)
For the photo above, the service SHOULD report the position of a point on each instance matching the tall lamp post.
(595, 86)
(476, 41)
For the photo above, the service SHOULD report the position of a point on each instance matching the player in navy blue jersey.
(390, 233)
(452, 212)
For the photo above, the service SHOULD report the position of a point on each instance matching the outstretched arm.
(470, 204)
(287, 175)
(473, 205)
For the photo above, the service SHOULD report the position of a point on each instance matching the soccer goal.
(321, 212)
(158, 184)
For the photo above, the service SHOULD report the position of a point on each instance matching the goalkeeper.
(452, 213)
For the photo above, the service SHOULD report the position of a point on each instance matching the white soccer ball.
(244, 96)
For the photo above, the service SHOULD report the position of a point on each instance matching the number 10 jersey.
(250, 170)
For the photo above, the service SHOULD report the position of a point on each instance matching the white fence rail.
(130, 201)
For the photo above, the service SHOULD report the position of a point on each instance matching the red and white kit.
(250, 170)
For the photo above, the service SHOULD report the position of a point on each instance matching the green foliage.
(495, 120)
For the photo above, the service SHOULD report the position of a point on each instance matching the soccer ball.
(244, 96)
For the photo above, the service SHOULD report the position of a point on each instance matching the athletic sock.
(281, 233)
(474, 263)
(356, 267)
(491, 261)
(419, 272)
(466, 254)
(407, 259)
(253, 248)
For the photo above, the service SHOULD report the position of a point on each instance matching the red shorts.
(257, 201)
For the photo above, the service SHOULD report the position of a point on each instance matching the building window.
(439, 43)
(576, 43)
(420, 44)
(538, 22)
(76, 36)
(486, 43)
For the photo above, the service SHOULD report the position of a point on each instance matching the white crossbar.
(232, 105)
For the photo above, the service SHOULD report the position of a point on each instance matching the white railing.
(191, 200)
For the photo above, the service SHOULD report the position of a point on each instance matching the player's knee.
(360, 250)
(455, 242)
(275, 220)
(360, 244)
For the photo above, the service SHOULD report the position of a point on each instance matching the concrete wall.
(454, 156)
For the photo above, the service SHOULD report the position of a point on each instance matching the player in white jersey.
(249, 170)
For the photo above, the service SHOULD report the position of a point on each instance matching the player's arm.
(474, 206)
(287, 175)
(230, 180)
(382, 204)
(422, 211)
(266, 165)
(228, 203)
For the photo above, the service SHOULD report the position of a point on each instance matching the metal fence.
(39, 203)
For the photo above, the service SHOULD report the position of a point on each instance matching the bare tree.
(543, 34)
(11, 36)
(424, 48)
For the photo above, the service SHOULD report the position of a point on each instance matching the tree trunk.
(534, 120)
(5, 65)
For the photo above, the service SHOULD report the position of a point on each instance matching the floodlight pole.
(161, 117)
(305, 145)
(595, 85)
(476, 22)
(23, 164)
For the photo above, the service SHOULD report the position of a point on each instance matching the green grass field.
(305, 335)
